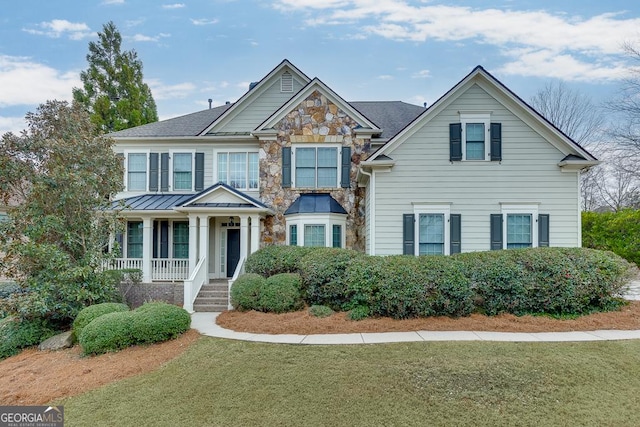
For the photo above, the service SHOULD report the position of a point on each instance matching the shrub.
(323, 274)
(613, 231)
(359, 312)
(87, 314)
(272, 260)
(9, 288)
(320, 311)
(405, 286)
(281, 293)
(245, 292)
(149, 323)
(16, 334)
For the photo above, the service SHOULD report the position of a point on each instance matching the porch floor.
(212, 297)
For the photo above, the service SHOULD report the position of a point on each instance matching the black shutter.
(496, 141)
(543, 230)
(455, 142)
(286, 167)
(199, 171)
(408, 234)
(164, 172)
(164, 239)
(120, 241)
(154, 232)
(153, 171)
(455, 233)
(496, 232)
(345, 178)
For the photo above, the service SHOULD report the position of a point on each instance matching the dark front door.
(233, 251)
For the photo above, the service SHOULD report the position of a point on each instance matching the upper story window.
(239, 170)
(475, 138)
(137, 171)
(182, 171)
(316, 167)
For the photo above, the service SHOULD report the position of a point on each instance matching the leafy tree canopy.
(113, 90)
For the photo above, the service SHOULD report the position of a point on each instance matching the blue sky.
(413, 51)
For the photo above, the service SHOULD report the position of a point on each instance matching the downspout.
(372, 215)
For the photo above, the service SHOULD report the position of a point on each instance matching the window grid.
(134, 239)
(475, 141)
(519, 231)
(137, 172)
(314, 235)
(431, 234)
(181, 240)
(293, 235)
(337, 236)
(239, 170)
(182, 175)
(316, 167)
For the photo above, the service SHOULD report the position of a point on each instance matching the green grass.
(233, 383)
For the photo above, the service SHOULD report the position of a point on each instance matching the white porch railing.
(193, 284)
(169, 270)
(238, 272)
(162, 269)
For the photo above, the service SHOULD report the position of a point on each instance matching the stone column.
(147, 249)
(255, 233)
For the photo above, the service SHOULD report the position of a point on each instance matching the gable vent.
(286, 82)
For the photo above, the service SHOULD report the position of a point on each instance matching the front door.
(233, 250)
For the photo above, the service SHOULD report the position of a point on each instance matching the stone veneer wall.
(314, 121)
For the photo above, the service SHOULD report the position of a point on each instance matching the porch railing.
(169, 270)
(238, 272)
(193, 284)
(123, 264)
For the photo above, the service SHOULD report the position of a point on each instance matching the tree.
(113, 89)
(627, 105)
(60, 175)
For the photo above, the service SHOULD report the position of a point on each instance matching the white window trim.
(193, 168)
(316, 146)
(523, 209)
(238, 150)
(126, 169)
(483, 117)
(327, 220)
(444, 209)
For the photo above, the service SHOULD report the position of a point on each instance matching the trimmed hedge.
(277, 294)
(323, 273)
(618, 232)
(149, 323)
(320, 311)
(272, 260)
(92, 312)
(245, 292)
(16, 334)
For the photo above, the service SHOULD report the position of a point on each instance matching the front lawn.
(227, 383)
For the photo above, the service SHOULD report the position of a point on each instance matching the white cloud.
(12, 124)
(144, 38)
(113, 2)
(587, 45)
(25, 82)
(161, 91)
(204, 21)
(385, 77)
(422, 74)
(173, 6)
(59, 27)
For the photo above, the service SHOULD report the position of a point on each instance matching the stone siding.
(315, 121)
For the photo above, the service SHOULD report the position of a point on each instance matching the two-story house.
(291, 162)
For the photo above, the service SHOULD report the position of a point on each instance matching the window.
(519, 231)
(181, 240)
(239, 170)
(431, 234)
(337, 236)
(137, 172)
(325, 230)
(182, 171)
(474, 141)
(314, 235)
(134, 239)
(316, 167)
(293, 235)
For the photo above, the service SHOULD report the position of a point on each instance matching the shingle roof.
(391, 116)
(187, 125)
(315, 203)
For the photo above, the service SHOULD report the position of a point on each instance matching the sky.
(412, 51)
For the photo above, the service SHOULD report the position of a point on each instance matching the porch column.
(193, 240)
(147, 250)
(204, 242)
(255, 233)
(244, 235)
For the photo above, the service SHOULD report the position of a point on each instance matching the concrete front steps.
(212, 297)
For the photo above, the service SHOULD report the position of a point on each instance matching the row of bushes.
(618, 232)
(539, 280)
(277, 294)
(110, 327)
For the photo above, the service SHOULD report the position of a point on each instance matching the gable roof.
(304, 93)
(502, 94)
(391, 116)
(237, 199)
(254, 91)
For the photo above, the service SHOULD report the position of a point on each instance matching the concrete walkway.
(205, 323)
